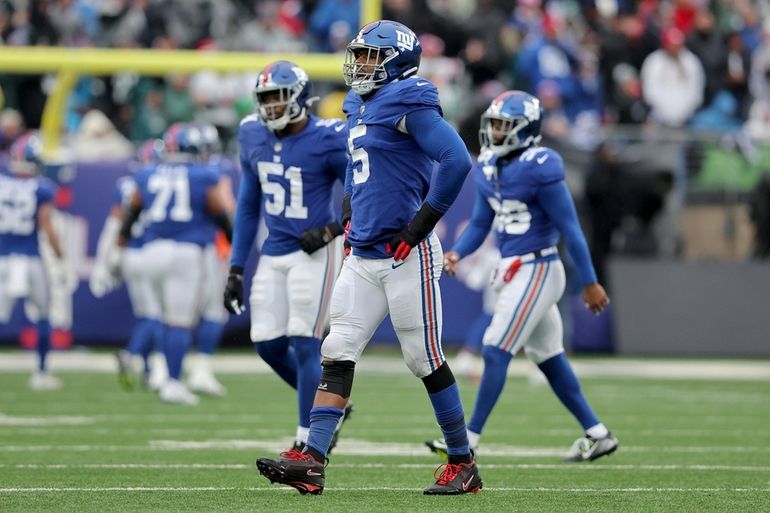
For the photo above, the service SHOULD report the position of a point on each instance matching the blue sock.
(476, 332)
(178, 341)
(323, 422)
(156, 334)
(279, 355)
(567, 388)
(308, 353)
(207, 336)
(142, 336)
(492, 382)
(451, 419)
(43, 342)
(159, 337)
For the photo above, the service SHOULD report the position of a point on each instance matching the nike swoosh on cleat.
(311, 473)
(467, 484)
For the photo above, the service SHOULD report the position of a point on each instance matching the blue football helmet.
(151, 151)
(283, 94)
(511, 121)
(392, 52)
(211, 142)
(26, 154)
(183, 141)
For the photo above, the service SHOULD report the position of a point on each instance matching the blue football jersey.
(295, 175)
(391, 175)
(20, 202)
(510, 188)
(174, 202)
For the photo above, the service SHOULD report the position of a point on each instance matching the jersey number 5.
(359, 155)
(276, 203)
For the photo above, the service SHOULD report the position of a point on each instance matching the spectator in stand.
(707, 43)
(738, 66)
(545, 58)
(625, 102)
(672, 81)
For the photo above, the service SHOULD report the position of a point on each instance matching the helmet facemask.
(365, 76)
(500, 134)
(278, 106)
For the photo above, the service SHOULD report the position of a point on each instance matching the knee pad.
(439, 379)
(337, 377)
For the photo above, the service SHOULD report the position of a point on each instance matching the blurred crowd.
(681, 63)
(691, 68)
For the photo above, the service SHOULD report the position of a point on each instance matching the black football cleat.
(456, 479)
(345, 416)
(296, 469)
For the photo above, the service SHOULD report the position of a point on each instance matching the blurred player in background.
(181, 205)
(474, 272)
(522, 194)
(26, 208)
(290, 162)
(111, 265)
(208, 333)
(396, 134)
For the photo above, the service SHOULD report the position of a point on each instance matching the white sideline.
(744, 370)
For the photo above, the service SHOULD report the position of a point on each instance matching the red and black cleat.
(296, 469)
(457, 478)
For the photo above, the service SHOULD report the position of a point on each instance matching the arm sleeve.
(557, 203)
(440, 142)
(246, 215)
(348, 178)
(474, 234)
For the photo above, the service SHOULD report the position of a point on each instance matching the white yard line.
(496, 466)
(356, 447)
(739, 370)
(373, 489)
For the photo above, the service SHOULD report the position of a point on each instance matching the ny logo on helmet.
(532, 109)
(404, 40)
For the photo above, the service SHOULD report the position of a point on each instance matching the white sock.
(203, 363)
(302, 434)
(473, 439)
(598, 431)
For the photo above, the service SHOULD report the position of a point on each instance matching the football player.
(111, 265)
(181, 205)
(396, 134)
(208, 333)
(521, 194)
(290, 162)
(26, 207)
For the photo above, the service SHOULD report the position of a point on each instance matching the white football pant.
(368, 289)
(525, 313)
(290, 294)
(175, 271)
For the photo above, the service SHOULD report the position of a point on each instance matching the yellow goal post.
(70, 63)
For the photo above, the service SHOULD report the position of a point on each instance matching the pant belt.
(540, 253)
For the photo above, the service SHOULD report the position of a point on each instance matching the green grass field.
(686, 445)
